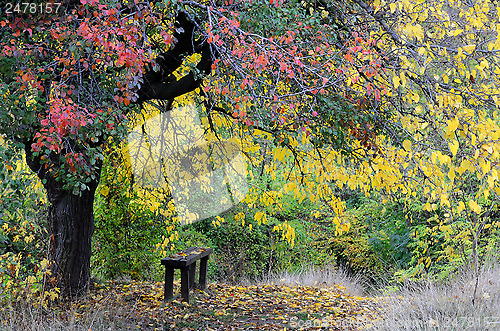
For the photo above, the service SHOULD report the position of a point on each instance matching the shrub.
(240, 251)
(354, 251)
(127, 231)
(378, 240)
(24, 269)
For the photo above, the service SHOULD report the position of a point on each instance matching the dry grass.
(423, 305)
(38, 319)
(322, 277)
(432, 306)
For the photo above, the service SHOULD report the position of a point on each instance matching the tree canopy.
(74, 72)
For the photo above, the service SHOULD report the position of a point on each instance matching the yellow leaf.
(491, 181)
(461, 206)
(428, 262)
(280, 154)
(469, 48)
(395, 81)
(467, 165)
(428, 207)
(416, 97)
(488, 148)
(444, 159)
(474, 206)
(446, 80)
(451, 175)
(452, 126)
(403, 78)
(105, 191)
(418, 31)
(444, 200)
(258, 217)
(220, 312)
(454, 147)
(486, 167)
(407, 145)
(392, 6)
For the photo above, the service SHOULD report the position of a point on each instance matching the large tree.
(72, 71)
(313, 76)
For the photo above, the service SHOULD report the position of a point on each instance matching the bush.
(389, 231)
(126, 233)
(247, 250)
(23, 235)
(240, 252)
(354, 251)
(378, 240)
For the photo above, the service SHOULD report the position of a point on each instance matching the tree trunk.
(70, 226)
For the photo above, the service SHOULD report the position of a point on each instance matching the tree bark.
(70, 226)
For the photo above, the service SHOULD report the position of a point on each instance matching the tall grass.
(450, 305)
(36, 319)
(324, 276)
(416, 305)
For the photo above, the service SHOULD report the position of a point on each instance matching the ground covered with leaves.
(140, 306)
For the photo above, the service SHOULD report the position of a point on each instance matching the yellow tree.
(423, 73)
(440, 81)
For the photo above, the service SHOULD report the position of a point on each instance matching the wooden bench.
(186, 262)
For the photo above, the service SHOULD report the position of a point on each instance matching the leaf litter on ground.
(140, 306)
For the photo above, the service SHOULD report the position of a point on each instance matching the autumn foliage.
(394, 97)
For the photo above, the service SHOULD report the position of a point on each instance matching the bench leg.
(169, 283)
(192, 270)
(185, 283)
(203, 272)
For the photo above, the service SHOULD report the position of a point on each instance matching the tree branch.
(162, 84)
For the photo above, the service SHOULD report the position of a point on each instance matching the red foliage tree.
(72, 71)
